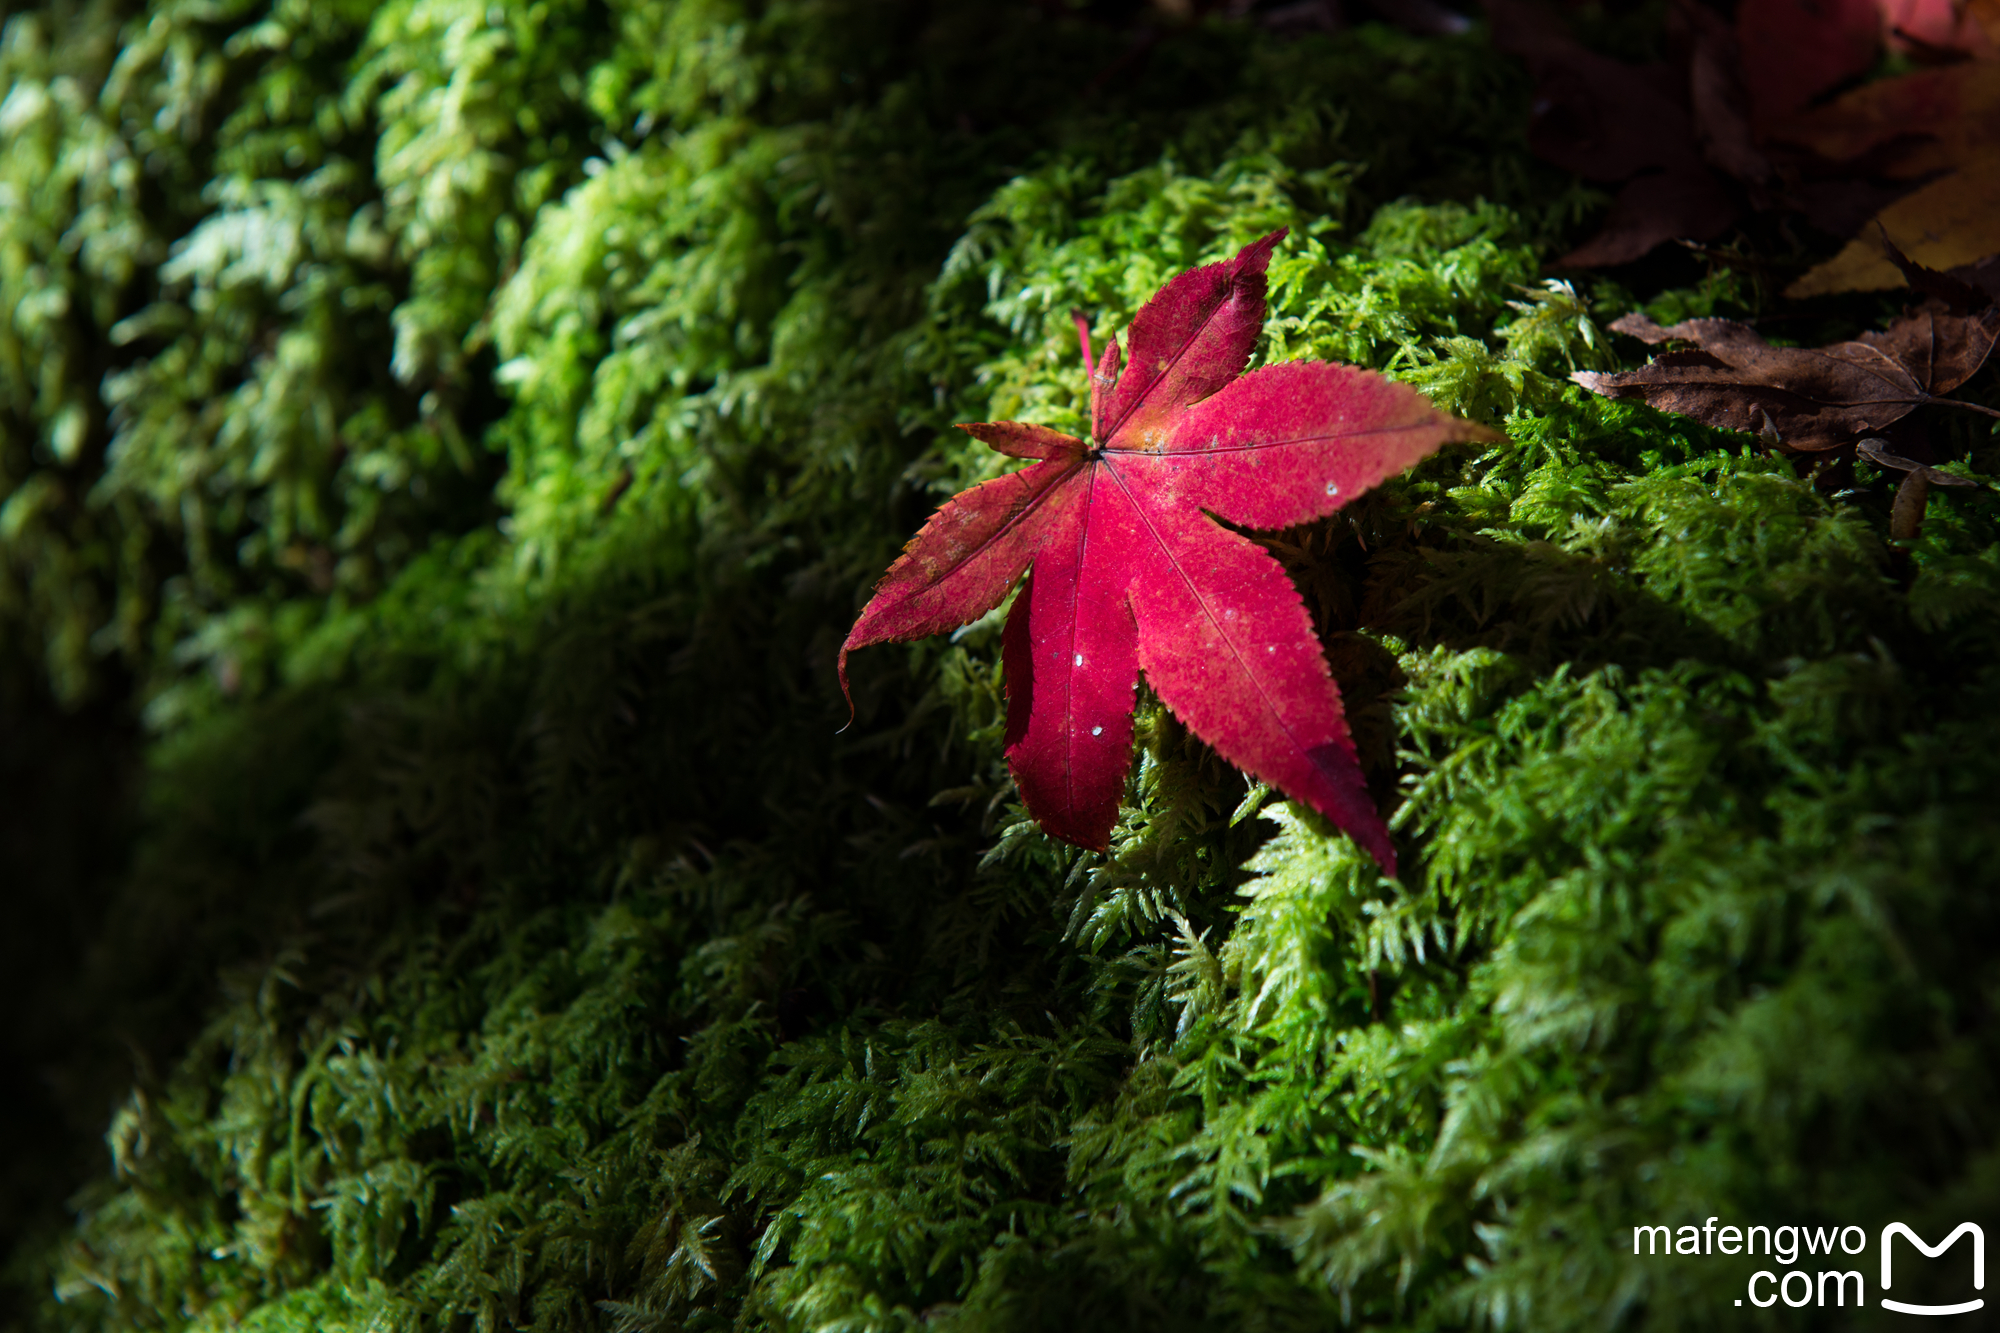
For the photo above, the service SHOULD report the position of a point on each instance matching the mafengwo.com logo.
(1813, 1259)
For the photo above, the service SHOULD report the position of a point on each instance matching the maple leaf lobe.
(1127, 570)
(1191, 339)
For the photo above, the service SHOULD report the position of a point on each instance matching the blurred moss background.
(442, 445)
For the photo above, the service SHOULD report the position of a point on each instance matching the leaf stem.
(1955, 402)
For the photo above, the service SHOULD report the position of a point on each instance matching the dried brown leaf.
(1805, 398)
(1911, 126)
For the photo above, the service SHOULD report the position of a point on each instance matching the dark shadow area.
(68, 786)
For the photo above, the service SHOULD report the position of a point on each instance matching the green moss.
(576, 971)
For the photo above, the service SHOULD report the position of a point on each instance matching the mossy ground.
(467, 430)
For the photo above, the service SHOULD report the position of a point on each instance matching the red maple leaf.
(1131, 570)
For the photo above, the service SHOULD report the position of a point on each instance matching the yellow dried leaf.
(1954, 220)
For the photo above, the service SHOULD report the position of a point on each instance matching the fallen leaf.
(1738, 108)
(1951, 221)
(1961, 290)
(1612, 122)
(1130, 570)
(1805, 398)
(1601, 118)
(1688, 204)
(1913, 126)
(1906, 513)
(1794, 50)
(1720, 97)
(1981, 274)
(1876, 451)
(1930, 27)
